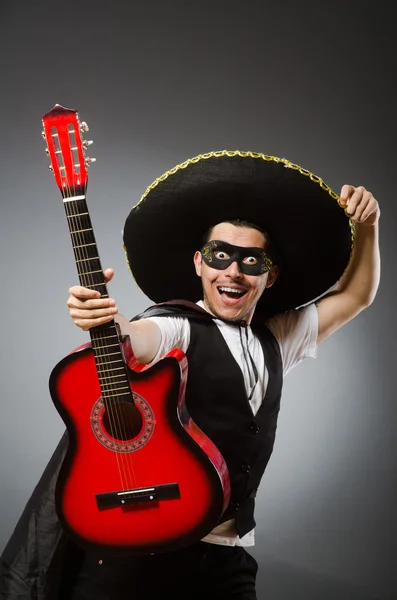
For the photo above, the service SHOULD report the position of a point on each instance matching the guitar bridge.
(167, 491)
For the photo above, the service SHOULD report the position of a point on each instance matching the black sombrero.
(301, 214)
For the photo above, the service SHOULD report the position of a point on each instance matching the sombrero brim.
(310, 230)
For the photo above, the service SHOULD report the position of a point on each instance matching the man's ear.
(273, 274)
(197, 259)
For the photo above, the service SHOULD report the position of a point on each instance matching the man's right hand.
(87, 308)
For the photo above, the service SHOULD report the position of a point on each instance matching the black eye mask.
(242, 255)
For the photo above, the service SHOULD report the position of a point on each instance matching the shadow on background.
(282, 581)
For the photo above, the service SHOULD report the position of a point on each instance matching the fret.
(106, 346)
(108, 374)
(115, 389)
(106, 337)
(90, 272)
(81, 230)
(86, 259)
(112, 376)
(109, 362)
(77, 215)
(95, 279)
(105, 373)
(84, 245)
(106, 379)
(105, 359)
(113, 369)
(122, 394)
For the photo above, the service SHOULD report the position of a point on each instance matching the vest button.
(245, 468)
(254, 429)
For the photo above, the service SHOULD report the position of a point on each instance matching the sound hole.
(122, 420)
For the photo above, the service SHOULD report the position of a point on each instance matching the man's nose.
(233, 270)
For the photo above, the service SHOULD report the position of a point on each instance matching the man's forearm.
(145, 337)
(361, 278)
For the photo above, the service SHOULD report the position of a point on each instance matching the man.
(276, 238)
(235, 274)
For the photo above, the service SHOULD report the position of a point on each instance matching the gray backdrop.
(159, 82)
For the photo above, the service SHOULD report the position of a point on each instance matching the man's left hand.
(360, 205)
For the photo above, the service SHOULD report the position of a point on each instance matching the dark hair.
(270, 250)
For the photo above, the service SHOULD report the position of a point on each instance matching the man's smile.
(231, 295)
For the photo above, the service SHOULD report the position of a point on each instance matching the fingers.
(86, 323)
(371, 211)
(346, 192)
(90, 313)
(84, 293)
(91, 306)
(357, 203)
(87, 308)
(360, 204)
(108, 274)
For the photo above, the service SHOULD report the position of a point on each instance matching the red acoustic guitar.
(139, 476)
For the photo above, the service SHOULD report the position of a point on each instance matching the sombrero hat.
(313, 236)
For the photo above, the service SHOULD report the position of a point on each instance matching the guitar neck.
(66, 149)
(84, 245)
(105, 340)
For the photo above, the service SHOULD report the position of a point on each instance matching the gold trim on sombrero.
(246, 154)
(242, 154)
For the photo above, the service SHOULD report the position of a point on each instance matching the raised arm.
(88, 309)
(357, 288)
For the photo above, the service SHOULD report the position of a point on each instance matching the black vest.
(217, 401)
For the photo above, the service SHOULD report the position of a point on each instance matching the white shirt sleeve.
(175, 333)
(296, 332)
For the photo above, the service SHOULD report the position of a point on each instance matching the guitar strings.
(88, 280)
(109, 382)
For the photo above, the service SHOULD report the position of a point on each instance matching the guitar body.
(139, 476)
(168, 448)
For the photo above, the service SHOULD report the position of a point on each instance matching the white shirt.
(296, 332)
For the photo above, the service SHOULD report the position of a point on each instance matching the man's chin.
(230, 313)
(233, 314)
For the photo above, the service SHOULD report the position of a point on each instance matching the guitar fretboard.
(105, 340)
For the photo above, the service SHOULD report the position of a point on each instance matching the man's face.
(229, 293)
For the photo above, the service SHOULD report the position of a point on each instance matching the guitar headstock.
(66, 150)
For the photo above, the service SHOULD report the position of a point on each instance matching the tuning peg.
(43, 135)
(84, 127)
(51, 168)
(47, 151)
(86, 143)
(89, 161)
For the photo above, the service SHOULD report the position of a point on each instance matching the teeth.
(233, 290)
